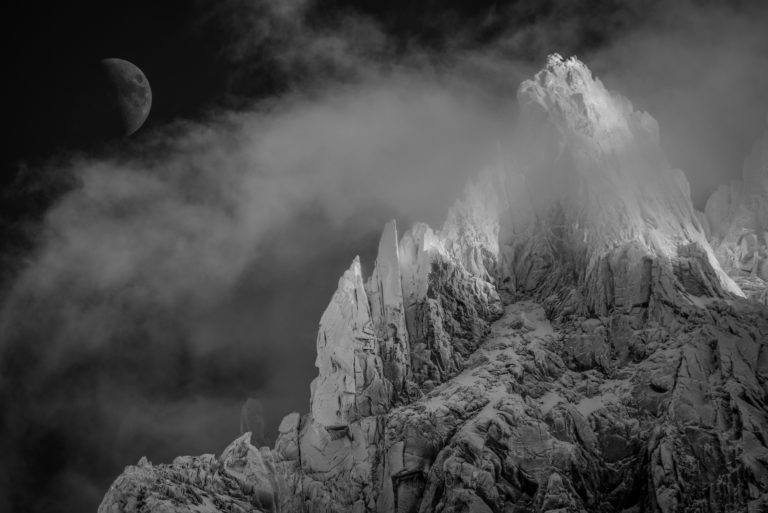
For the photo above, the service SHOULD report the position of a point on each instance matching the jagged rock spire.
(350, 380)
(622, 373)
(597, 184)
(385, 294)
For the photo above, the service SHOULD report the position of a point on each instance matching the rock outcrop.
(243, 479)
(568, 341)
(350, 382)
(736, 217)
(386, 298)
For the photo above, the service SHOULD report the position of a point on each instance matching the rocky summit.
(575, 338)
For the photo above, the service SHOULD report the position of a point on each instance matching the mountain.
(567, 341)
(736, 219)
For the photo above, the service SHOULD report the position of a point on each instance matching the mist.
(183, 276)
(187, 271)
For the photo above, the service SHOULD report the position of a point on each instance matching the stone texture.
(243, 479)
(350, 382)
(566, 348)
(448, 309)
(385, 294)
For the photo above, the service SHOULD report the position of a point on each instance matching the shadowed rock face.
(575, 347)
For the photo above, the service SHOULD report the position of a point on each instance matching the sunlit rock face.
(385, 294)
(602, 212)
(350, 382)
(567, 341)
(737, 219)
(448, 309)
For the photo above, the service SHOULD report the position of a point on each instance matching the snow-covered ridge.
(566, 90)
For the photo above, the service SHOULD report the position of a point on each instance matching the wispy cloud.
(176, 274)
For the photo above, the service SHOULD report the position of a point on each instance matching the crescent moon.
(131, 91)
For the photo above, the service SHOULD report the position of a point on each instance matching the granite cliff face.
(567, 341)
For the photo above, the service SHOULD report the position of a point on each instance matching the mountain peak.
(589, 173)
(569, 317)
(577, 102)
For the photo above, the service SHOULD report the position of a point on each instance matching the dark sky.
(52, 54)
(69, 427)
(185, 50)
(150, 284)
(189, 50)
(55, 45)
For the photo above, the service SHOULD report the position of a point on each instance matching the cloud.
(702, 71)
(181, 276)
(699, 67)
(274, 44)
(187, 273)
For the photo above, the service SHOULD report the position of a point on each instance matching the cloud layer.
(185, 273)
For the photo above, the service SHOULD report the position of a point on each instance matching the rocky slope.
(568, 341)
(736, 218)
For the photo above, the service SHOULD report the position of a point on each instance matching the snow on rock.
(607, 216)
(448, 309)
(350, 381)
(385, 294)
(622, 372)
(244, 479)
(471, 231)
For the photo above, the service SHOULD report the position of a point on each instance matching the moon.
(130, 91)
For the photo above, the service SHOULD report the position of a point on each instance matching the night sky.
(151, 283)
